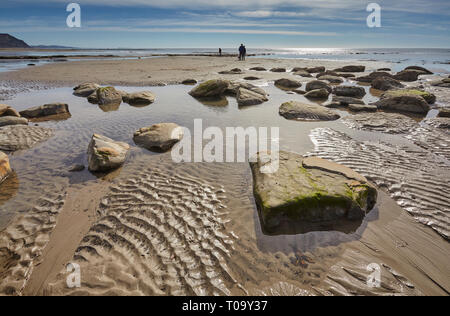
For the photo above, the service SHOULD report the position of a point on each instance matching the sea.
(437, 60)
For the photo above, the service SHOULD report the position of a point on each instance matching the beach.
(156, 227)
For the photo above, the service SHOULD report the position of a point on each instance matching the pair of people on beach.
(242, 52)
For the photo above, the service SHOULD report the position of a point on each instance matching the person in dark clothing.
(241, 52)
(244, 54)
(220, 51)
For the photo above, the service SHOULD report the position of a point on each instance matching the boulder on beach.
(250, 95)
(373, 76)
(295, 110)
(386, 83)
(12, 120)
(313, 70)
(6, 110)
(317, 94)
(189, 82)
(288, 83)
(362, 108)
(351, 68)
(139, 98)
(93, 98)
(258, 69)
(404, 103)
(211, 88)
(108, 95)
(105, 154)
(251, 78)
(316, 85)
(346, 75)
(444, 113)
(349, 91)
(46, 110)
(338, 101)
(408, 75)
(332, 79)
(234, 71)
(308, 192)
(85, 89)
(385, 122)
(327, 73)
(427, 96)
(159, 137)
(302, 73)
(278, 70)
(422, 69)
(5, 168)
(21, 137)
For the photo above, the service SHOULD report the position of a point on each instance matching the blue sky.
(226, 23)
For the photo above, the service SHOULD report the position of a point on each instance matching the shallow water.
(42, 178)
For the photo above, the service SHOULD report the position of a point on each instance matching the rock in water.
(278, 70)
(46, 110)
(247, 97)
(408, 75)
(313, 70)
(235, 71)
(427, 96)
(316, 85)
(424, 70)
(159, 137)
(288, 83)
(139, 98)
(108, 95)
(6, 110)
(444, 113)
(331, 79)
(350, 91)
(386, 83)
(337, 102)
(12, 120)
(5, 168)
(351, 68)
(373, 76)
(362, 108)
(317, 94)
(189, 82)
(105, 154)
(211, 88)
(309, 112)
(86, 89)
(408, 103)
(258, 69)
(310, 192)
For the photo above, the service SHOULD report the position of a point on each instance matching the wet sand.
(155, 227)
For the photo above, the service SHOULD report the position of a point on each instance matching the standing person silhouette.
(244, 54)
(220, 51)
(241, 52)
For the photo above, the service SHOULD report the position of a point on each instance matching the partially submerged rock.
(444, 113)
(234, 71)
(362, 108)
(338, 101)
(317, 84)
(422, 69)
(307, 193)
(12, 120)
(373, 76)
(408, 75)
(159, 137)
(302, 73)
(278, 70)
(211, 88)
(331, 79)
(251, 78)
(351, 68)
(258, 69)
(317, 94)
(350, 91)
(108, 95)
(46, 110)
(6, 110)
(189, 82)
(386, 83)
(105, 154)
(313, 70)
(5, 168)
(288, 83)
(247, 96)
(390, 123)
(139, 98)
(294, 110)
(405, 103)
(85, 89)
(427, 96)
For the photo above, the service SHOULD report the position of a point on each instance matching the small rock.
(105, 154)
(278, 70)
(46, 110)
(12, 120)
(351, 68)
(309, 112)
(424, 70)
(189, 82)
(211, 88)
(429, 97)
(404, 103)
(362, 108)
(86, 89)
(235, 71)
(77, 168)
(332, 79)
(258, 69)
(408, 75)
(251, 78)
(313, 70)
(316, 84)
(108, 95)
(288, 83)
(317, 94)
(373, 76)
(303, 73)
(386, 83)
(248, 96)
(350, 91)
(6, 110)
(159, 137)
(139, 98)
(444, 113)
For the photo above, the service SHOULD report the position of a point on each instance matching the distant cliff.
(8, 41)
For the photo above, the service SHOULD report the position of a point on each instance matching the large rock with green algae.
(310, 193)
(429, 97)
(211, 88)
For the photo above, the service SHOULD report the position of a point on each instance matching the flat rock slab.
(362, 108)
(12, 120)
(20, 137)
(404, 103)
(105, 154)
(308, 112)
(389, 123)
(307, 192)
(159, 137)
(46, 110)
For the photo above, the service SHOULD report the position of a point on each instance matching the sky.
(227, 23)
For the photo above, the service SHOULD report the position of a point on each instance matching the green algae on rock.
(310, 193)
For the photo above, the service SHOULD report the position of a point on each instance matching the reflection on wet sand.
(110, 107)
